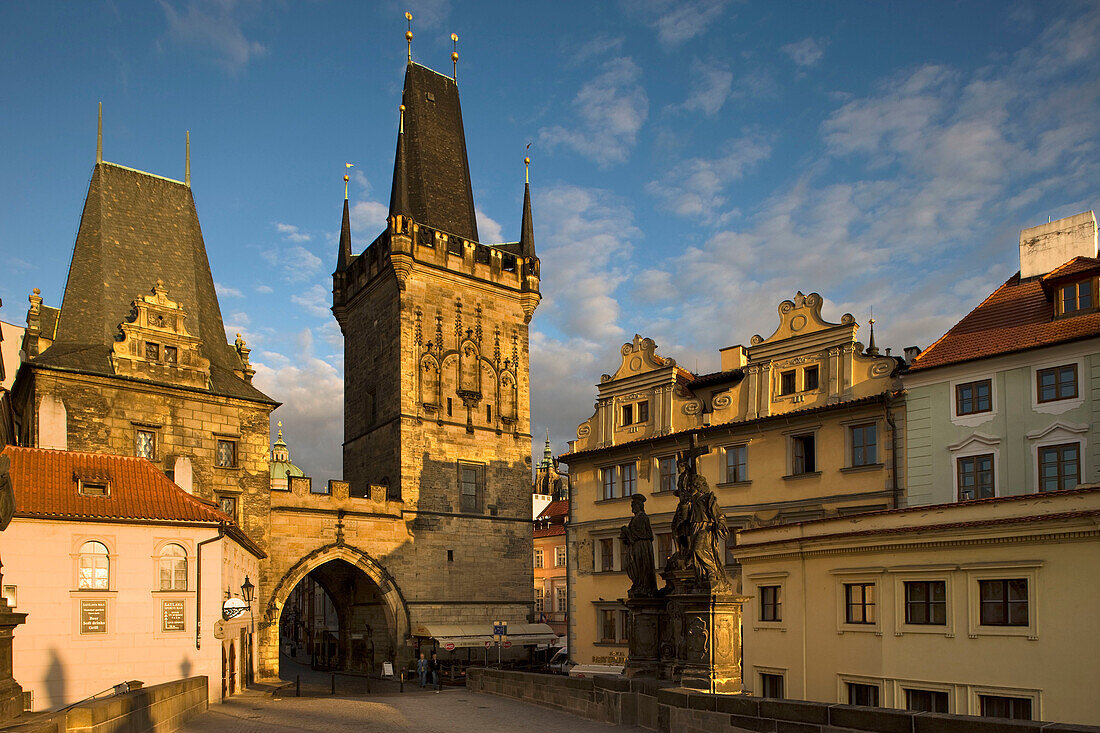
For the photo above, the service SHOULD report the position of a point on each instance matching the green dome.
(281, 467)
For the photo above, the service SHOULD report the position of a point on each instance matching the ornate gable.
(154, 344)
(639, 356)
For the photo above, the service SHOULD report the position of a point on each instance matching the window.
(228, 504)
(539, 595)
(859, 603)
(171, 355)
(864, 444)
(607, 480)
(861, 694)
(664, 549)
(629, 473)
(771, 685)
(152, 351)
(643, 411)
(173, 568)
(1059, 466)
(1003, 602)
(770, 603)
(975, 475)
(628, 414)
(226, 456)
(926, 602)
(95, 488)
(145, 444)
(607, 626)
(95, 567)
(973, 397)
(926, 701)
(471, 488)
(1057, 383)
(737, 457)
(804, 455)
(607, 554)
(559, 597)
(1078, 296)
(809, 378)
(538, 558)
(448, 407)
(559, 556)
(666, 468)
(998, 706)
(488, 412)
(786, 383)
(450, 555)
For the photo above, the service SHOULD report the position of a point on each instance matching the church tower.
(436, 386)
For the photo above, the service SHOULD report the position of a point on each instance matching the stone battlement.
(333, 496)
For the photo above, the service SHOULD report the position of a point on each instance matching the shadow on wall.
(55, 682)
(185, 668)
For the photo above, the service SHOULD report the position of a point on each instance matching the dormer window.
(786, 383)
(809, 378)
(95, 488)
(635, 413)
(628, 414)
(1076, 297)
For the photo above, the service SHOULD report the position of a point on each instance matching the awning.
(459, 636)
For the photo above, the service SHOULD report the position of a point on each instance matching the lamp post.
(248, 593)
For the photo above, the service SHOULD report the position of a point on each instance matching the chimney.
(911, 353)
(1049, 246)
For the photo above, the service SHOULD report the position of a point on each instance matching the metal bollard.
(402, 678)
(297, 685)
(333, 683)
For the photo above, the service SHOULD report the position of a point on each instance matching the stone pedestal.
(645, 636)
(709, 656)
(11, 694)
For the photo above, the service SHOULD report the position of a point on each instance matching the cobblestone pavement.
(415, 710)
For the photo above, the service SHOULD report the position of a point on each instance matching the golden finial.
(401, 122)
(527, 166)
(347, 167)
(454, 56)
(280, 428)
(409, 34)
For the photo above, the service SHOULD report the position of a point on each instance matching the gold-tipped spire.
(409, 34)
(527, 165)
(99, 137)
(347, 167)
(454, 55)
(187, 161)
(280, 428)
(401, 120)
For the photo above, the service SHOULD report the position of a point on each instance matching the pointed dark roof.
(138, 228)
(344, 257)
(399, 191)
(527, 228)
(437, 187)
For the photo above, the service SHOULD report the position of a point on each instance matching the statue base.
(11, 694)
(644, 658)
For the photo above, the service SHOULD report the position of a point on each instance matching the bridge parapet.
(333, 496)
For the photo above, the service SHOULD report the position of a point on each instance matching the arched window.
(173, 568)
(95, 566)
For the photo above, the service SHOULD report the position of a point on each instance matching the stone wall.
(156, 709)
(644, 703)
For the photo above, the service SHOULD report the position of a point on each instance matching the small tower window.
(170, 355)
(488, 413)
(145, 444)
(448, 407)
(152, 351)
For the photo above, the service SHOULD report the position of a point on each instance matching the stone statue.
(637, 539)
(699, 527)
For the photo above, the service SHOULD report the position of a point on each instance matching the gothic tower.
(436, 390)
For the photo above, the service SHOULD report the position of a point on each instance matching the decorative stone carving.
(153, 343)
(698, 528)
(637, 539)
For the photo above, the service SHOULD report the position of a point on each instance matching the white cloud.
(676, 21)
(295, 263)
(368, 219)
(312, 392)
(610, 110)
(488, 228)
(711, 85)
(214, 29)
(291, 233)
(264, 289)
(804, 53)
(224, 291)
(314, 301)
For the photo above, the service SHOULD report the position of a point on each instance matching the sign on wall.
(93, 617)
(172, 613)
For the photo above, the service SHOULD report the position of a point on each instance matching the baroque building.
(135, 362)
(803, 424)
(1004, 403)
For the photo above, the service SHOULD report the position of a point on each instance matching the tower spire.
(187, 161)
(547, 452)
(871, 348)
(527, 229)
(343, 258)
(399, 198)
(99, 137)
(454, 56)
(409, 34)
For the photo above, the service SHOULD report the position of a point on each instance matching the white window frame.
(860, 575)
(778, 671)
(975, 704)
(725, 449)
(978, 418)
(758, 579)
(976, 444)
(1058, 407)
(884, 689)
(815, 431)
(1002, 571)
(1058, 433)
(899, 686)
(848, 443)
(539, 561)
(901, 576)
(597, 554)
(560, 556)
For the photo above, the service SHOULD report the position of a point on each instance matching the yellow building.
(985, 607)
(801, 425)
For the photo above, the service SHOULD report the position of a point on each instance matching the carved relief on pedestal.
(154, 343)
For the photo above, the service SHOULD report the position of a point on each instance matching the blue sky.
(695, 162)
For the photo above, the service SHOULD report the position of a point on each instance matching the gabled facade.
(805, 423)
(1003, 403)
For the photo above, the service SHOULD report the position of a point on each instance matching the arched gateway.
(373, 618)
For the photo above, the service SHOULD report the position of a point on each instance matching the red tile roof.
(1018, 316)
(554, 530)
(46, 485)
(558, 508)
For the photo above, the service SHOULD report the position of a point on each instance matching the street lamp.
(248, 593)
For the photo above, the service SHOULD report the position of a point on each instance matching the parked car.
(560, 663)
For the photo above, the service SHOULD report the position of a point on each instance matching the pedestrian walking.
(436, 668)
(422, 671)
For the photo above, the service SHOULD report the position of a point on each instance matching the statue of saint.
(699, 526)
(637, 539)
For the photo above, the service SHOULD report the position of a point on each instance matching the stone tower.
(436, 388)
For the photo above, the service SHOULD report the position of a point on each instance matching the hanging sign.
(233, 607)
(449, 646)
